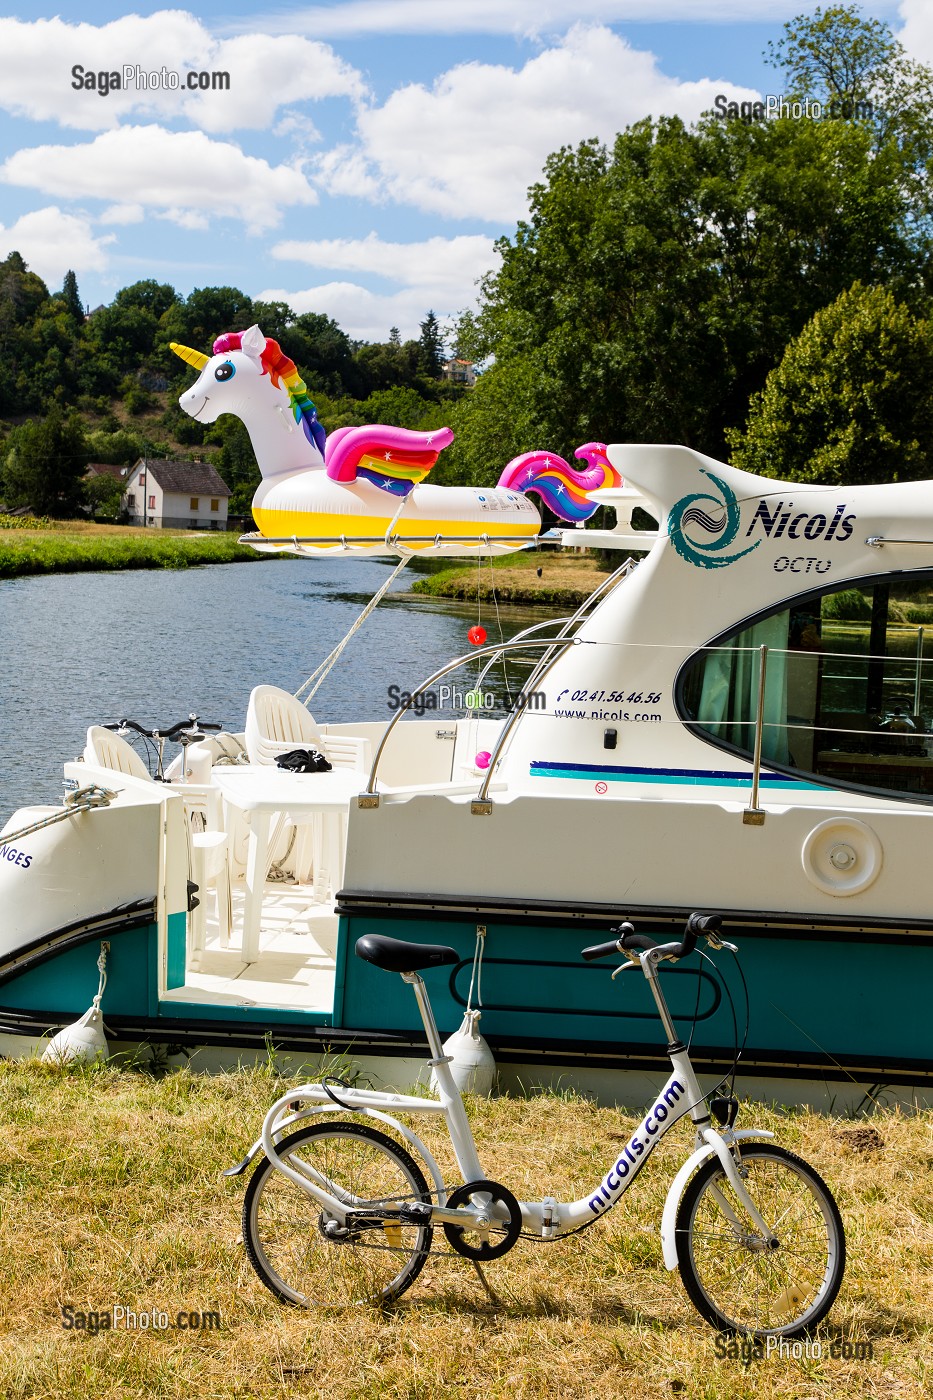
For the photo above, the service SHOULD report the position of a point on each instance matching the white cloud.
(491, 127)
(522, 17)
(917, 34)
(164, 170)
(123, 214)
(52, 242)
(436, 274)
(265, 71)
(363, 314)
(444, 266)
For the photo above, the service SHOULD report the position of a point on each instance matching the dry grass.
(111, 1194)
(566, 579)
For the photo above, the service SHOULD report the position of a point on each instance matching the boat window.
(848, 692)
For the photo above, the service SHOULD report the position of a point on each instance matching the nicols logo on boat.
(719, 518)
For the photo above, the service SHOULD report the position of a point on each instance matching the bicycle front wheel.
(302, 1253)
(740, 1282)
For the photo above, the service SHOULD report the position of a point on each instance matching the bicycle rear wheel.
(735, 1279)
(302, 1253)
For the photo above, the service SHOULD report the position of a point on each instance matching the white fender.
(678, 1185)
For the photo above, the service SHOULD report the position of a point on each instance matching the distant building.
(107, 469)
(460, 372)
(176, 495)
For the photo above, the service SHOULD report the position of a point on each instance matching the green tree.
(431, 347)
(852, 399)
(103, 495)
(856, 69)
(402, 407)
(653, 287)
(72, 298)
(45, 461)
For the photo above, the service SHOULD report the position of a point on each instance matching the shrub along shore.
(73, 546)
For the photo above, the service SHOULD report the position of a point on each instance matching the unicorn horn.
(191, 357)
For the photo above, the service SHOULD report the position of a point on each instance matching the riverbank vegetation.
(546, 578)
(74, 546)
(111, 1195)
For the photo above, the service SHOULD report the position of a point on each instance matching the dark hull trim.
(531, 912)
(189, 1032)
(126, 916)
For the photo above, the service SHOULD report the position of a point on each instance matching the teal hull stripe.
(698, 777)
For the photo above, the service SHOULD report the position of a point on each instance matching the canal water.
(153, 645)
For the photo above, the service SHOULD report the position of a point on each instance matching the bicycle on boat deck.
(339, 1212)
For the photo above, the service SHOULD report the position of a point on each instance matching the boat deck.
(297, 951)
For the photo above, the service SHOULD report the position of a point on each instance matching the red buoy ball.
(477, 635)
(482, 758)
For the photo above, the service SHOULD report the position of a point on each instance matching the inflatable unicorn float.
(363, 490)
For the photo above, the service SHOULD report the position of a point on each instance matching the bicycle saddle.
(396, 955)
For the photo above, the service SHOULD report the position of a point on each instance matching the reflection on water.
(153, 645)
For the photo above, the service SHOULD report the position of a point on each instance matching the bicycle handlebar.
(629, 941)
(192, 725)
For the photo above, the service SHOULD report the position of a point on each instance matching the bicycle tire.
(284, 1227)
(736, 1282)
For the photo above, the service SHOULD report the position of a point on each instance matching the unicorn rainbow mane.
(280, 368)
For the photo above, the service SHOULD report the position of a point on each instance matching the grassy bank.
(549, 579)
(111, 1194)
(73, 546)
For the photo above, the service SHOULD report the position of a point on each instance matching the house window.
(194, 502)
(152, 502)
(215, 503)
(130, 500)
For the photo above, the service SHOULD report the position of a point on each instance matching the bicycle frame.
(547, 1218)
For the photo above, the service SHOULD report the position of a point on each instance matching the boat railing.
(369, 797)
(552, 649)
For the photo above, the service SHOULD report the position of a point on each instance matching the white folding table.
(263, 792)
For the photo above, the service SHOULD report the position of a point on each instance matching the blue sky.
(368, 152)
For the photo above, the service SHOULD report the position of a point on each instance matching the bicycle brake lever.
(626, 967)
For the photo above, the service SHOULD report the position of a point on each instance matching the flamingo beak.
(191, 357)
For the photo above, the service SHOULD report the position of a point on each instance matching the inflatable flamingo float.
(363, 490)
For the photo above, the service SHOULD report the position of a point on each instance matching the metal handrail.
(552, 649)
(492, 651)
(481, 801)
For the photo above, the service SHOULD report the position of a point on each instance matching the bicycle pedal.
(414, 1214)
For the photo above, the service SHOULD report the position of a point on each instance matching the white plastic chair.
(276, 723)
(108, 750)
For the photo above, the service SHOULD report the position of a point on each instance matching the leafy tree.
(654, 286)
(103, 495)
(403, 407)
(45, 461)
(851, 400)
(856, 69)
(155, 297)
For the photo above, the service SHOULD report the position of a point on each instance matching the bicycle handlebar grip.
(704, 923)
(600, 950)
